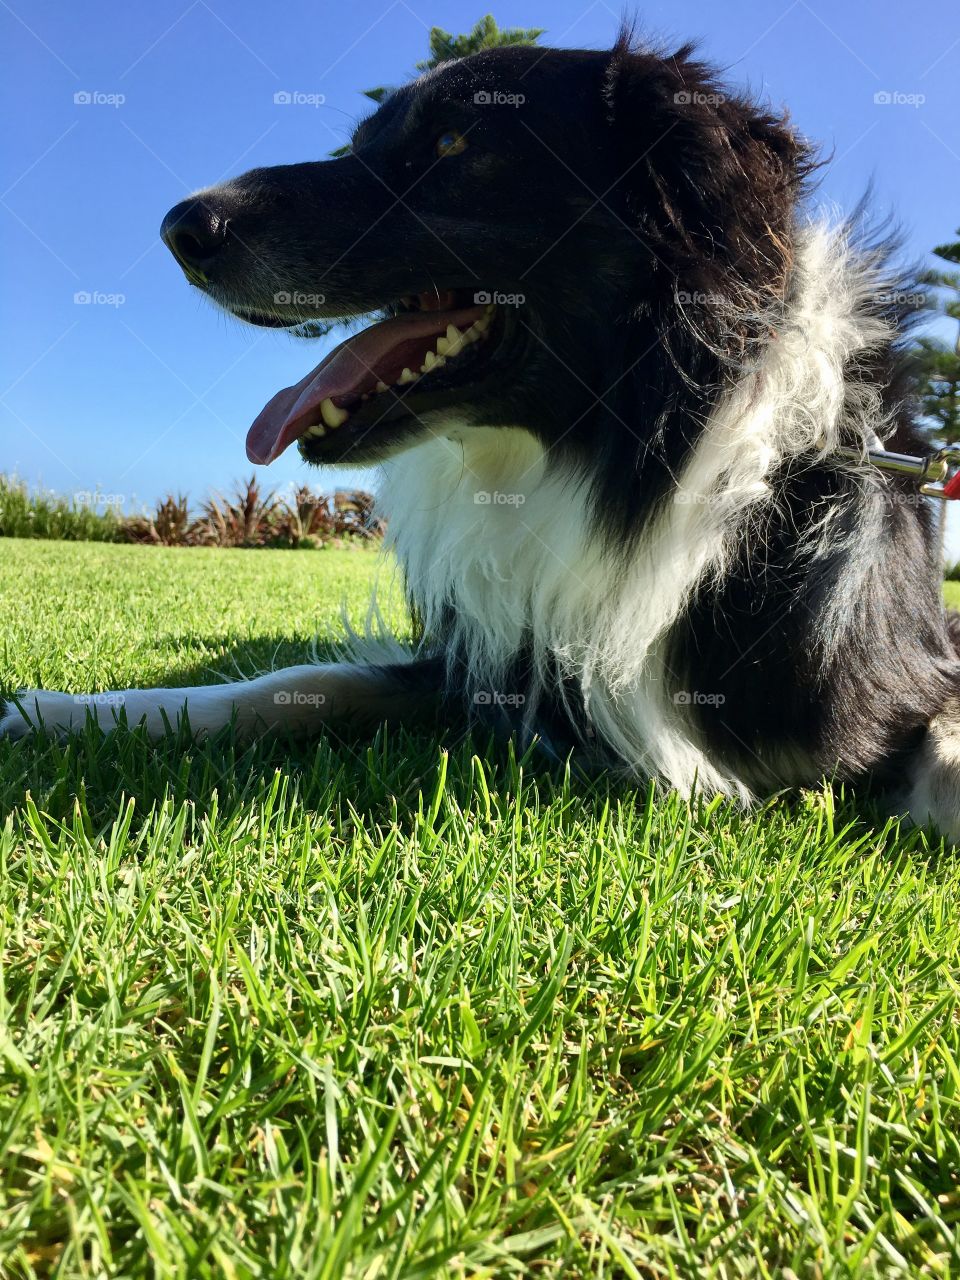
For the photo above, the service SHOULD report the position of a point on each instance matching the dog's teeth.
(455, 341)
(429, 361)
(332, 416)
(443, 346)
(407, 376)
(316, 432)
(381, 386)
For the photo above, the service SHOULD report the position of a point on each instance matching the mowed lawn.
(406, 1008)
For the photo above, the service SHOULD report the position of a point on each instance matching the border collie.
(609, 367)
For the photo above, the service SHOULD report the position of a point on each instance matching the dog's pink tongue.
(355, 365)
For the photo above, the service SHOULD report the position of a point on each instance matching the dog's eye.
(451, 143)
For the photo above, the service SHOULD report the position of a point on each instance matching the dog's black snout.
(194, 233)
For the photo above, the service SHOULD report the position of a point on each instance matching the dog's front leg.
(295, 699)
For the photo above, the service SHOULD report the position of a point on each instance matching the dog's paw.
(33, 709)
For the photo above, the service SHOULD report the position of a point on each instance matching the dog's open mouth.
(417, 359)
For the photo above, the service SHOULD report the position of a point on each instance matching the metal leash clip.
(937, 473)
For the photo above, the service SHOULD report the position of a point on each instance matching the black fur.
(648, 215)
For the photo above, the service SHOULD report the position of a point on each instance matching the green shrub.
(248, 518)
(43, 514)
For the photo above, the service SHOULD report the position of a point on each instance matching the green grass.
(399, 1008)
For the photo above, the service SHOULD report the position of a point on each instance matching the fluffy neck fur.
(501, 551)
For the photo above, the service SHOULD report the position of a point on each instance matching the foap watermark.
(483, 298)
(693, 97)
(888, 497)
(494, 498)
(698, 298)
(697, 698)
(96, 298)
(285, 299)
(901, 297)
(497, 98)
(496, 698)
(96, 499)
(298, 698)
(99, 699)
(688, 498)
(298, 98)
(897, 98)
(97, 98)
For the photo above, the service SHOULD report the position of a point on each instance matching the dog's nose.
(194, 234)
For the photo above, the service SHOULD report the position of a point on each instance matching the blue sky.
(147, 389)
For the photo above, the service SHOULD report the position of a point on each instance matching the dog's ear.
(702, 172)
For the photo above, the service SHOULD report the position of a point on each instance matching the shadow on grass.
(382, 774)
(225, 661)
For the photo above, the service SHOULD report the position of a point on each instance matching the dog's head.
(516, 229)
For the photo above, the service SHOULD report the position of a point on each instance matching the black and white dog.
(613, 368)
